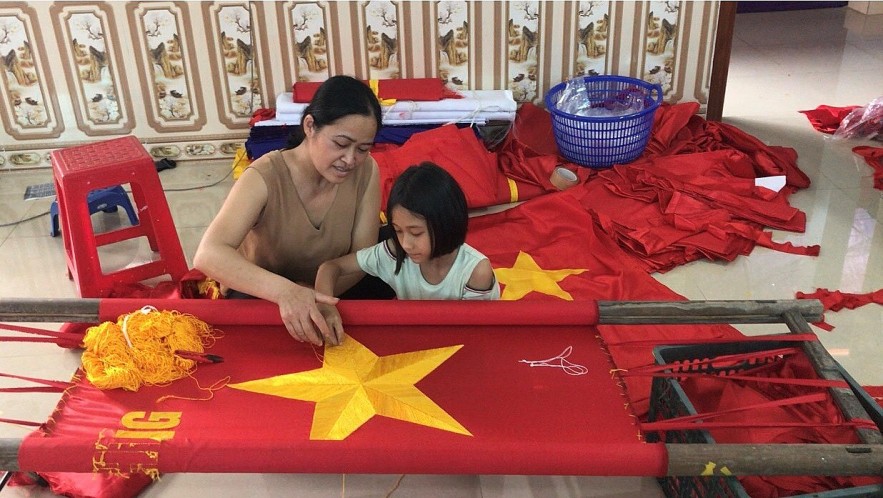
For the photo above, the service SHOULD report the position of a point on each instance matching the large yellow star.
(526, 276)
(354, 384)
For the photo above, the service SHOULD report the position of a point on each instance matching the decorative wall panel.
(29, 102)
(185, 77)
(452, 30)
(163, 40)
(233, 46)
(98, 89)
(306, 33)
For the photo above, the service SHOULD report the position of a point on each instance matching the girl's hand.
(301, 315)
(335, 324)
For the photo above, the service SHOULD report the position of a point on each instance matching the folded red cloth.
(826, 119)
(836, 301)
(874, 157)
(261, 114)
(426, 89)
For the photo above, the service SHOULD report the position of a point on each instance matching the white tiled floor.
(781, 63)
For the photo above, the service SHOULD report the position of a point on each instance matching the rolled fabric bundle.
(403, 88)
(420, 117)
(470, 100)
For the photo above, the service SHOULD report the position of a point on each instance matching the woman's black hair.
(337, 97)
(431, 192)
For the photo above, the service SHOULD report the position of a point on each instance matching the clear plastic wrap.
(862, 122)
(580, 99)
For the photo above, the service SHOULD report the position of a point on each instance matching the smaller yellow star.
(354, 384)
(526, 276)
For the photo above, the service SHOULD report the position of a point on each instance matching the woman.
(295, 208)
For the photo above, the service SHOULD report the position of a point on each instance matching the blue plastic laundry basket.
(599, 142)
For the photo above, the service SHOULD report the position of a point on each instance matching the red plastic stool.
(83, 169)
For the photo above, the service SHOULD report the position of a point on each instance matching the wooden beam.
(702, 459)
(693, 312)
(9, 454)
(774, 460)
(610, 312)
(49, 310)
(826, 367)
(720, 65)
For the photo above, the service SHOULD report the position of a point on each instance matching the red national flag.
(417, 387)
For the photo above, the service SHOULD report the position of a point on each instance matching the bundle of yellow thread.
(140, 348)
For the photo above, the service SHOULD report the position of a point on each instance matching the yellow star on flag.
(526, 276)
(354, 384)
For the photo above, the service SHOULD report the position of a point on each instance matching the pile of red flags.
(692, 194)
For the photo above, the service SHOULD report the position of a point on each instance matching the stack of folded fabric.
(475, 107)
(409, 106)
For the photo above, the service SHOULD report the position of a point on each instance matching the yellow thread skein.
(155, 336)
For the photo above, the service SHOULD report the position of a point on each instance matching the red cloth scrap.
(874, 157)
(826, 119)
(836, 301)
(261, 115)
(419, 89)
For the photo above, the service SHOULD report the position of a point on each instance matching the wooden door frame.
(720, 65)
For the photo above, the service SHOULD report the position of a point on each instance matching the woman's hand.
(335, 324)
(301, 316)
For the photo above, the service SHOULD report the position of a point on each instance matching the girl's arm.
(366, 229)
(329, 274)
(482, 283)
(482, 276)
(217, 256)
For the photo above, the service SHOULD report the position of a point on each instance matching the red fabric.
(690, 196)
(265, 313)
(87, 485)
(836, 301)
(876, 392)
(719, 394)
(874, 157)
(421, 89)
(532, 412)
(678, 130)
(458, 151)
(668, 211)
(559, 234)
(529, 155)
(261, 115)
(826, 119)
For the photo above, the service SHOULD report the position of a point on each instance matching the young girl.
(428, 257)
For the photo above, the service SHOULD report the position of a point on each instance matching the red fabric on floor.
(668, 211)
(836, 300)
(826, 118)
(559, 235)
